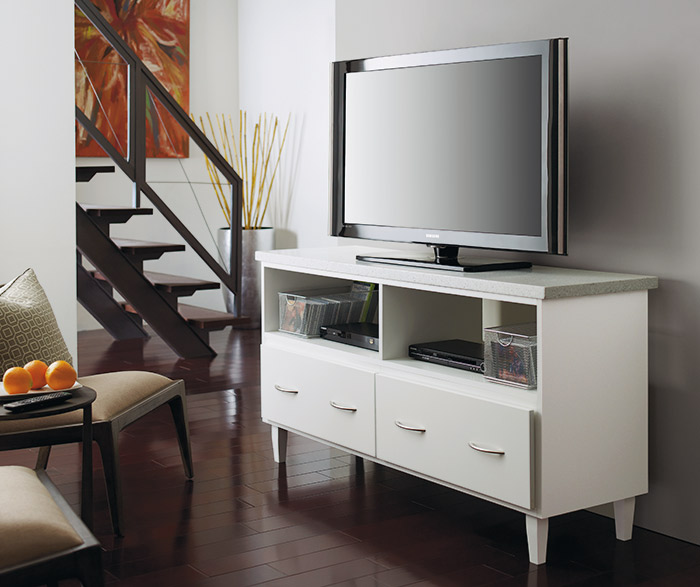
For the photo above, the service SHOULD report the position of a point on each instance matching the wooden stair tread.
(202, 318)
(138, 244)
(111, 211)
(105, 216)
(174, 284)
(85, 173)
(175, 281)
(146, 249)
(210, 319)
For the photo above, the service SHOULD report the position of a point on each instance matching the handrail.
(141, 80)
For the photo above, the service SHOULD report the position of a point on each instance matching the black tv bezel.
(553, 238)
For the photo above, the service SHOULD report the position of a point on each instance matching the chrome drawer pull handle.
(285, 389)
(345, 408)
(407, 427)
(491, 451)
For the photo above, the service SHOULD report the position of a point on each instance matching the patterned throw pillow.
(28, 328)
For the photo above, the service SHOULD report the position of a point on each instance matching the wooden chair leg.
(107, 437)
(179, 413)
(91, 574)
(42, 459)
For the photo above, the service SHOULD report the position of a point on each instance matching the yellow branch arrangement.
(257, 177)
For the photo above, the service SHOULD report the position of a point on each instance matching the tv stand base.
(462, 264)
(433, 422)
(447, 258)
(537, 529)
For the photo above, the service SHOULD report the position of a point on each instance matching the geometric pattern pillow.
(28, 327)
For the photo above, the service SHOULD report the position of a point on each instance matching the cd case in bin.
(510, 354)
(304, 312)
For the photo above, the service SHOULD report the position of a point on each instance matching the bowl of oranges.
(38, 376)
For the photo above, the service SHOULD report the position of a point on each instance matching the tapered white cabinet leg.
(537, 531)
(279, 444)
(624, 518)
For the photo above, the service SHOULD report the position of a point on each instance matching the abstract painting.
(158, 32)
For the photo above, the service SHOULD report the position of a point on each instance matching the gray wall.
(634, 183)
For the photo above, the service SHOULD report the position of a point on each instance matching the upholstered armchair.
(29, 331)
(41, 539)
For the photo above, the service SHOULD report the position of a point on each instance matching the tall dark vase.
(258, 239)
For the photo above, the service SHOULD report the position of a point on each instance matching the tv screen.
(457, 148)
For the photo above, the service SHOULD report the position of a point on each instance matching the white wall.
(213, 89)
(634, 176)
(37, 163)
(285, 53)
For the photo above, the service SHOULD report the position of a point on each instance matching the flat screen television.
(454, 148)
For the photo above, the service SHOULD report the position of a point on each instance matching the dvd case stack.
(304, 312)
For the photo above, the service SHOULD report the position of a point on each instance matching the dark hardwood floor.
(321, 519)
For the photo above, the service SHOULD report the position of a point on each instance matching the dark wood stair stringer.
(172, 287)
(102, 306)
(132, 284)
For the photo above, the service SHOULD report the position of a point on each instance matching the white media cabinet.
(576, 441)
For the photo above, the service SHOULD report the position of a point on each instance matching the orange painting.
(158, 32)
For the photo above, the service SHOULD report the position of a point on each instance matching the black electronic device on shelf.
(361, 334)
(461, 354)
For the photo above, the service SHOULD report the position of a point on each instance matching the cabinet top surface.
(539, 282)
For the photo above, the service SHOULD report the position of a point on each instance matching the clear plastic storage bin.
(304, 312)
(510, 354)
(350, 305)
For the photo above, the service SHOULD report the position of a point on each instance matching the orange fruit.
(60, 375)
(17, 380)
(37, 369)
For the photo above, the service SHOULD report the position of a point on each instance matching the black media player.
(462, 354)
(361, 334)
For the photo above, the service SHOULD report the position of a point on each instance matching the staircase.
(146, 296)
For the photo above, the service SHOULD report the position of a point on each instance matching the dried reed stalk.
(256, 188)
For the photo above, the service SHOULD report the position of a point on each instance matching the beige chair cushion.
(116, 393)
(28, 327)
(31, 524)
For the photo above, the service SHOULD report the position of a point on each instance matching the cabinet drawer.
(473, 443)
(329, 400)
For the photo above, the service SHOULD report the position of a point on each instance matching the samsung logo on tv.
(428, 235)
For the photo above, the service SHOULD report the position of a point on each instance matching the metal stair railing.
(141, 81)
